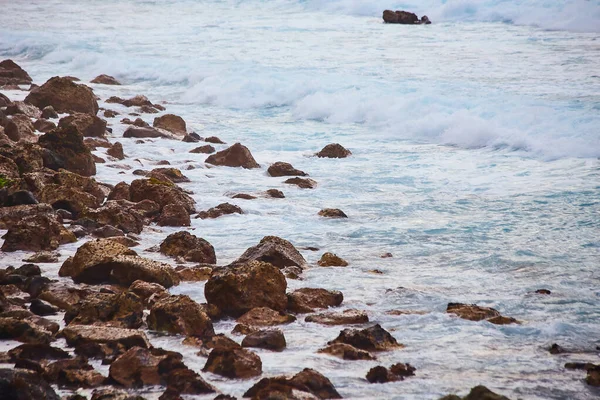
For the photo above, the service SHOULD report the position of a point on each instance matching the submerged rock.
(303, 183)
(473, 312)
(477, 393)
(347, 352)
(64, 96)
(346, 317)
(284, 169)
(220, 210)
(404, 17)
(332, 213)
(237, 155)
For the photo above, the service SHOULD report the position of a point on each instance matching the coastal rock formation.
(347, 352)
(174, 215)
(264, 316)
(141, 132)
(19, 127)
(397, 372)
(334, 150)
(124, 310)
(274, 250)
(220, 210)
(13, 74)
(64, 96)
(404, 17)
(284, 169)
(346, 317)
(306, 300)
(190, 247)
(20, 384)
(67, 150)
(374, 338)
(237, 155)
(332, 213)
(331, 260)
(88, 125)
(302, 183)
(180, 315)
(477, 393)
(162, 193)
(22, 108)
(473, 312)
(36, 233)
(172, 123)
(206, 149)
(272, 339)
(105, 80)
(309, 382)
(233, 363)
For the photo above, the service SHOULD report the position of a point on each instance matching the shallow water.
(475, 163)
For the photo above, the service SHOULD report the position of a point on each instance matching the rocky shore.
(85, 329)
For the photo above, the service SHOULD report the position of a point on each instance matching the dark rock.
(284, 169)
(25, 331)
(120, 192)
(374, 338)
(12, 74)
(17, 384)
(332, 213)
(107, 231)
(274, 250)
(75, 373)
(233, 363)
(191, 248)
(243, 196)
(99, 340)
(381, 374)
(307, 381)
(19, 127)
(303, 183)
(180, 315)
(88, 125)
(64, 96)
(105, 80)
(43, 125)
(35, 233)
(333, 150)
(266, 339)
(110, 113)
(206, 149)
(593, 376)
(124, 310)
(116, 151)
(143, 132)
(264, 316)
(220, 210)
(543, 291)
(172, 123)
(347, 352)
(140, 367)
(332, 260)
(478, 393)
(40, 307)
(234, 156)
(174, 215)
(162, 193)
(20, 107)
(122, 214)
(214, 140)
(306, 300)
(473, 312)
(37, 352)
(347, 317)
(556, 349)
(276, 194)
(69, 151)
(403, 17)
(49, 113)
(43, 257)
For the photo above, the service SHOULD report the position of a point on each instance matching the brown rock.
(19, 384)
(172, 123)
(220, 210)
(381, 374)
(43, 125)
(243, 196)
(284, 169)
(331, 260)
(68, 198)
(20, 107)
(76, 373)
(207, 149)
(473, 312)
(593, 376)
(266, 339)
(64, 96)
(24, 330)
(233, 363)
(140, 367)
(332, 213)
(68, 151)
(274, 250)
(174, 215)
(116, 151)
(105, 80)
(186, 381)
(347, 317)
(43, 257)
(214, 139)
(148, 292)
(303, 183)
(136, 101)
(36, 233)
(90, 256)
(88, 125)
(12, 74)
(543, 291)
(307, 381)
(333, 150)
(347, 352)
(122, 214)
(120, 192)
(502, 320)
(238, 289)
(194, 274)
(234, 156)
(190, 247)
(110, 113)
(162, 193)
(37, 352)
(400, 17)
(19, 127)
(264, 316)
(478, 393)
(94, 341)
(124, 310)
(48, 112)
(374, 338)
(306, 300)
(180, 315)
(143, 132)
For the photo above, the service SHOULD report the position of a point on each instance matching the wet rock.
(68, 151)
(214, 140)
(64, 96)
(332, 260)
(191, 137)
(473, 312)
(110, 113)
(107, 231)
(42, 308)
(19, 127)
(113, 394)
(556, 349)
(24, 330)
(96, 340)
(374, 338)
(174, 215)
(43, 125)
(19, 198)
(18, 384)
(76, 373)
(284, 169)
(68, 198)
(88, 125)
(593, 376)
(264, 316)
(502, 320)
(237, 155)
(303, 183)
(206, 149)
(404, 370)
(404, 17)
(220, 210)
(140, 367)
(172, 123)
(124, 310)
(20, 107)
(37, 352)
(333, 150)
(105, 80)
(306, 300)
(397, 372)
(180, 315)
(148, 292)
(36, 233)
(332, 213)
(190, 247)
(233, 363)
(43, 257)
(172, 174)
(477, 393)
(120, 192)
(4, 101)
(92, 255)
(274, 250)
(162, 193)
(243, 196)
(136, 101)
(143, 132)
(238, 289)
(48, 112)
(122, 214)
(13, 74)
(266, 339)
(116, 151)
(308, 381)
(543, 291)
(347, 317)
(347, 352)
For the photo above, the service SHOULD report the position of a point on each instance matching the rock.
(374, 338)
(20, 107)
(113, 394)
(120, 192)
(148, 110)
(90, 256)
(174, 215)
(43, 125)
(543, 291)
(206, 149)
(107, 231)
(12, 74)
(19, 198)
(122, 214)
(88, 125)
(381, 374)
(162, 193)
(143, 132)
(190, 247)
(274, 193)
(191, 137)
(194, 274)
(141, 367)
(556, 349)
(593, 376)
(110, 113)
(76, 373)
(125, 270)
(331, 260)
(96, 340)
(49, 113)
(172, 174)
(478, 393)
(40, 307)
(214, 140)
(4, 101)
(105, 80)
(148, 292)
(24, 330)
(347, 352)
(186, 381)
(274, 250)
(68, 151)
(36, 233)
(264, 316)
(284, 169)
(502, 320)
(172, 123)
(219, 341)
(233, 363)
(180, 315)
(473, 312)
(238, 289)
(332, 213)
(18, 384)
(43, 257)
(403, 370)
(266, 339)
(306, 300)
(333, 150)
(64, 96)
(37, 352)
(403, 17)
(136, 101)
(234, 156)
(308, 381)
(303, 183)
(71, 199)
(243, 196)
(347, 317)
(220, 210)
(124, 310)
(19, 127)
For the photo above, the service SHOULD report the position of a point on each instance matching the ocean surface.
(475, 141)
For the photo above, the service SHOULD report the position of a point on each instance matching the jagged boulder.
(374, 338)
(309, 382)
(233, 363)
(237, 155)
(271, 339)
(13, 74)
(36, 233)
(68, 151)
(123, 310)
(64, 96)
(284, 169)
(162, 193)
(19, 127)
(333, 150)
(172, 123)
(180, 315)
(306, 300)
(276, 251)
(220, 210)
(88, 125)
(105, 80)
(190, 247)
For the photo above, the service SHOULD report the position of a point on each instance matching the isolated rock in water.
(214, 140)
(276, 251)
(473, 312)
(404, 17)
(374, 338)
(19, 384)
(264, 316)
(237, 155)
(105, 80)
(88, 125)
(206, 149)
(19, 127)
(233, 363)
(284, 169)
(91, 256)
(309, 381)
(117, 339)
(306, 300)
(332, 213)
(116, 151)
(172, 123)
(332, 260)
(190, 247)
(36, 233)
(347, 317)
(143, 132)
(162, 193)
(68, 151)
(268, 339)
(172, 174)
(49, 112)
(238, 289)
(136, 101)
(477, 393)
(12, 74)
(124, 310)
(593, 376)
(220, 210)
(302, 183)
(347, 352)
(333, 150)
(180, 315)
(64, 96)
(174, 215)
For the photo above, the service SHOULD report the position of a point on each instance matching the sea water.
(475, 146)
